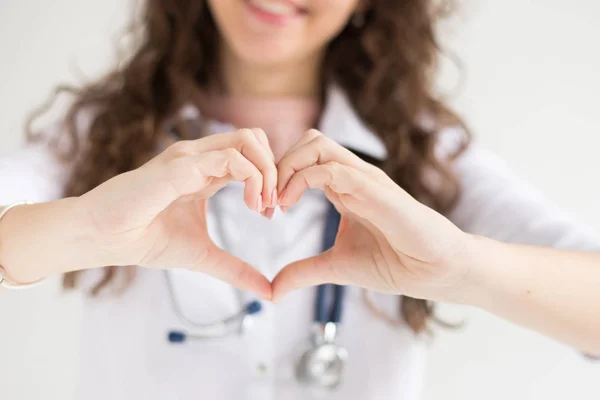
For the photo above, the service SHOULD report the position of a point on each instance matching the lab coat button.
(262, 369)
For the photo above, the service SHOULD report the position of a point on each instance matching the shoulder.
(456, 147)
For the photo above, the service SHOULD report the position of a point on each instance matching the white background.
(531, 95)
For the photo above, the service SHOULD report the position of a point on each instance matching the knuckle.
(307, 135)
(246, 136)
(337, 173)
(231, 153)
(178, 164)
(180, 148)
(312, 133)
(321, 144)
(357, 189)
(334, 167)
(232, 160)
(320, 140)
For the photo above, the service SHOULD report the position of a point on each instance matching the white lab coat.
(124, 351)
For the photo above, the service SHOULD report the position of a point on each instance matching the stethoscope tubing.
(327, 309)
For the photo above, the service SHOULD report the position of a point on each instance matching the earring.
(358, 20)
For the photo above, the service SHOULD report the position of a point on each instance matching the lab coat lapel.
(341, 123)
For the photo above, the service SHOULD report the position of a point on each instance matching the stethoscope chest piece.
(322, 365)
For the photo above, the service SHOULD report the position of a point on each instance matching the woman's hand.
(387, 241)
(155, 216)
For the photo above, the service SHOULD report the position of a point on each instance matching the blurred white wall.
(531, 95)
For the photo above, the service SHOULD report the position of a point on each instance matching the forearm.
(45, 239)
(554, 292)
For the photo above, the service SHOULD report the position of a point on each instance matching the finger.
(383, 207)
(305, 138)
(311, 271)
(341, 179)
(247, 143)
(222, 265)
(270, 178)
(195, 173)
(319, 150)
(217, 141)
(355, 191)
(251, 148)
(262, 138)
(269, 212)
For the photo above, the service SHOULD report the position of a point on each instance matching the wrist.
(40, 240)
(477, 277)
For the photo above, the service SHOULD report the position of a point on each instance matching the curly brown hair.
(386, 67)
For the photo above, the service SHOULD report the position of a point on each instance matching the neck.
(298, 79)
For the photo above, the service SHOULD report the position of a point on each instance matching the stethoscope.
(321, 365)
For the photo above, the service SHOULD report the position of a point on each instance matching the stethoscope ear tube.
(232, 324)
(201, 330)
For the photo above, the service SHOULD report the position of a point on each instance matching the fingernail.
(281, 196)
(259, 205)
(270, 213)
(267, 297)
(283, 208)
(274, 198)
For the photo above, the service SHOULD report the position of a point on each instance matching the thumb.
(224, 266)
(311, 271)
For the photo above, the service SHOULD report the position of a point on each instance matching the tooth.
(275, 7)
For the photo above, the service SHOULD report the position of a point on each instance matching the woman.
(162, 157)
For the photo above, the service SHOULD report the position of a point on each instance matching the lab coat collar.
(339, 122)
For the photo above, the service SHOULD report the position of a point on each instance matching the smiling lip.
(276, 13)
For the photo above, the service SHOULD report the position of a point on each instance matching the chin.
(264, 52)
